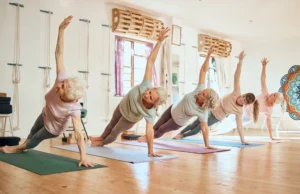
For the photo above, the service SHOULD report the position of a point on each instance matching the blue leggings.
(195, 127)
(38, 133)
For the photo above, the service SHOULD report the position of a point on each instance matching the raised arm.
(237, 73)
(263, 76)
(205, 66)
(59, 51)
(152, 57)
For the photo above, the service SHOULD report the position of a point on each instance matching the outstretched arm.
(152, 57)
(80, 142)
(150, 137)
(205, 66)
(240, 128)
(269, 126)
(237, 73)
(59, 55)
(263, 76)
(205, 134)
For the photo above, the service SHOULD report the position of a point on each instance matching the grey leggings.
(195, 127)
(38, 133)
(117, 125)
(165, 124)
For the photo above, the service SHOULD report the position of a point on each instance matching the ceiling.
(244, 20)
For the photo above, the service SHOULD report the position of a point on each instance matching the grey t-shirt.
(131, 106)
(188, 108)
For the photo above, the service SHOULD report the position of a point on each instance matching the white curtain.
(165, 75)
(220, 68)
(225, 74)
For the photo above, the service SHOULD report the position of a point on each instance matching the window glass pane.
(139, 74)
(139, 48)
(139, 62)
(127, 46)
(126, 77)
(127, 70)
(127, 53)
(126, 90)
(127, 84)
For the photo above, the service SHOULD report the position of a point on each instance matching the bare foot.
(142, 139)
(10, 149)
(97, 143)
(178, 136)
(95, 138)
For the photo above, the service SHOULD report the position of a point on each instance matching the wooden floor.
(272, 168)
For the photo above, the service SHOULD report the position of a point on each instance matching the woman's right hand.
(154, 155)
(210, 147)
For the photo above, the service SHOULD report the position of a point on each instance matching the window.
(132, 63)
(135, 60)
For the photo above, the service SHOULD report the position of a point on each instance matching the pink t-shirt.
(56, 113)
(263, 108)
(227, 106)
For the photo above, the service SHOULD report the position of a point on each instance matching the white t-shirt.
(187, 108)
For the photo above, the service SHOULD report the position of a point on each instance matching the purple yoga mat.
(175, 147)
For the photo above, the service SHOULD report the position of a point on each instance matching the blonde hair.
(212, 99)
(163, 96)
(279, 98)
(76, 88)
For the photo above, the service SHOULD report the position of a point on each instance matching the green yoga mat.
(43, 163)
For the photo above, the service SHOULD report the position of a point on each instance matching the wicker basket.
(222, 48)
(125, 21)
(147, 29)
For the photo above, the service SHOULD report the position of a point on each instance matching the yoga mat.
(249, 139)
(175, 147)
(43, 163)
(214, 142)
(125, 155)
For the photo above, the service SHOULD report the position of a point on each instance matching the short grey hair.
(163, 95)
(212, 99)
(76, 88)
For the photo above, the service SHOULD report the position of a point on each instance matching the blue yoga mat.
(125, 155)
(215, 142)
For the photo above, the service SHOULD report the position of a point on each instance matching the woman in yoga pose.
(141, 101)
(61, 107)
(266, 100)
(230, 104)
(196, 103)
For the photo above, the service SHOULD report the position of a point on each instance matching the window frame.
(132, 41)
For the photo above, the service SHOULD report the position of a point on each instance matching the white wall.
(101, 104)
(32, 36)
(282, 55)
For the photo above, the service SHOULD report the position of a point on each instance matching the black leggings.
(195, 127)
